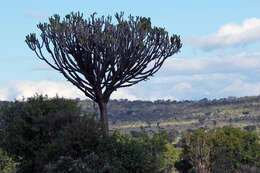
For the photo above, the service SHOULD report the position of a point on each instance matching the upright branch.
(99, 55)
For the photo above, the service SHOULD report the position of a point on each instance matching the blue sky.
(220, 56)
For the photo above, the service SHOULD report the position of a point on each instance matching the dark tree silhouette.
(99, 55)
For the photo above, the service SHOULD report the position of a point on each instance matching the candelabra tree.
(101, 54)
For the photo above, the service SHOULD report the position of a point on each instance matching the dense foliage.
(29, 126)
(144, 153)
(122, 154)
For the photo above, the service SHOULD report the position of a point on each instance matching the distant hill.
(241, 112)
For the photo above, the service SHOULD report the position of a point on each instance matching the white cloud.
(241, 88)
(244, 62)
(123, 93)
(3, 94)
(160, 97)
(36, 15)
(182, 87)
(228, 35)
(198, 86)
(210, 77)
(24, 89)
(189, 87)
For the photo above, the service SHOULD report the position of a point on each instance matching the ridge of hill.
(239, 112)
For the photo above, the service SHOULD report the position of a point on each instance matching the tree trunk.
(104, 117)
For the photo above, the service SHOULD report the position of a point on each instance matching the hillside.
(124, 114)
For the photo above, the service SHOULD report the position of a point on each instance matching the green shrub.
(144, 153)
(77, 139)
(29, 126)
(118, 153)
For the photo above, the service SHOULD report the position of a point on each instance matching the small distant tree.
(220, 150)
(99, 55)
(197, 148)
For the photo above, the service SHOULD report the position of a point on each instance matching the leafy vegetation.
(224, 150)
(144, 153)
(29, 126)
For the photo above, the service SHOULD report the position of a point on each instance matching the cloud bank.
(228, 35)
(179, 79)
(214, 77)
(24, 89)
(243, 62)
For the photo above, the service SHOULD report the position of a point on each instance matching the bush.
(144, 153)
(118, 153)
(29, 126)
(77, 139)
